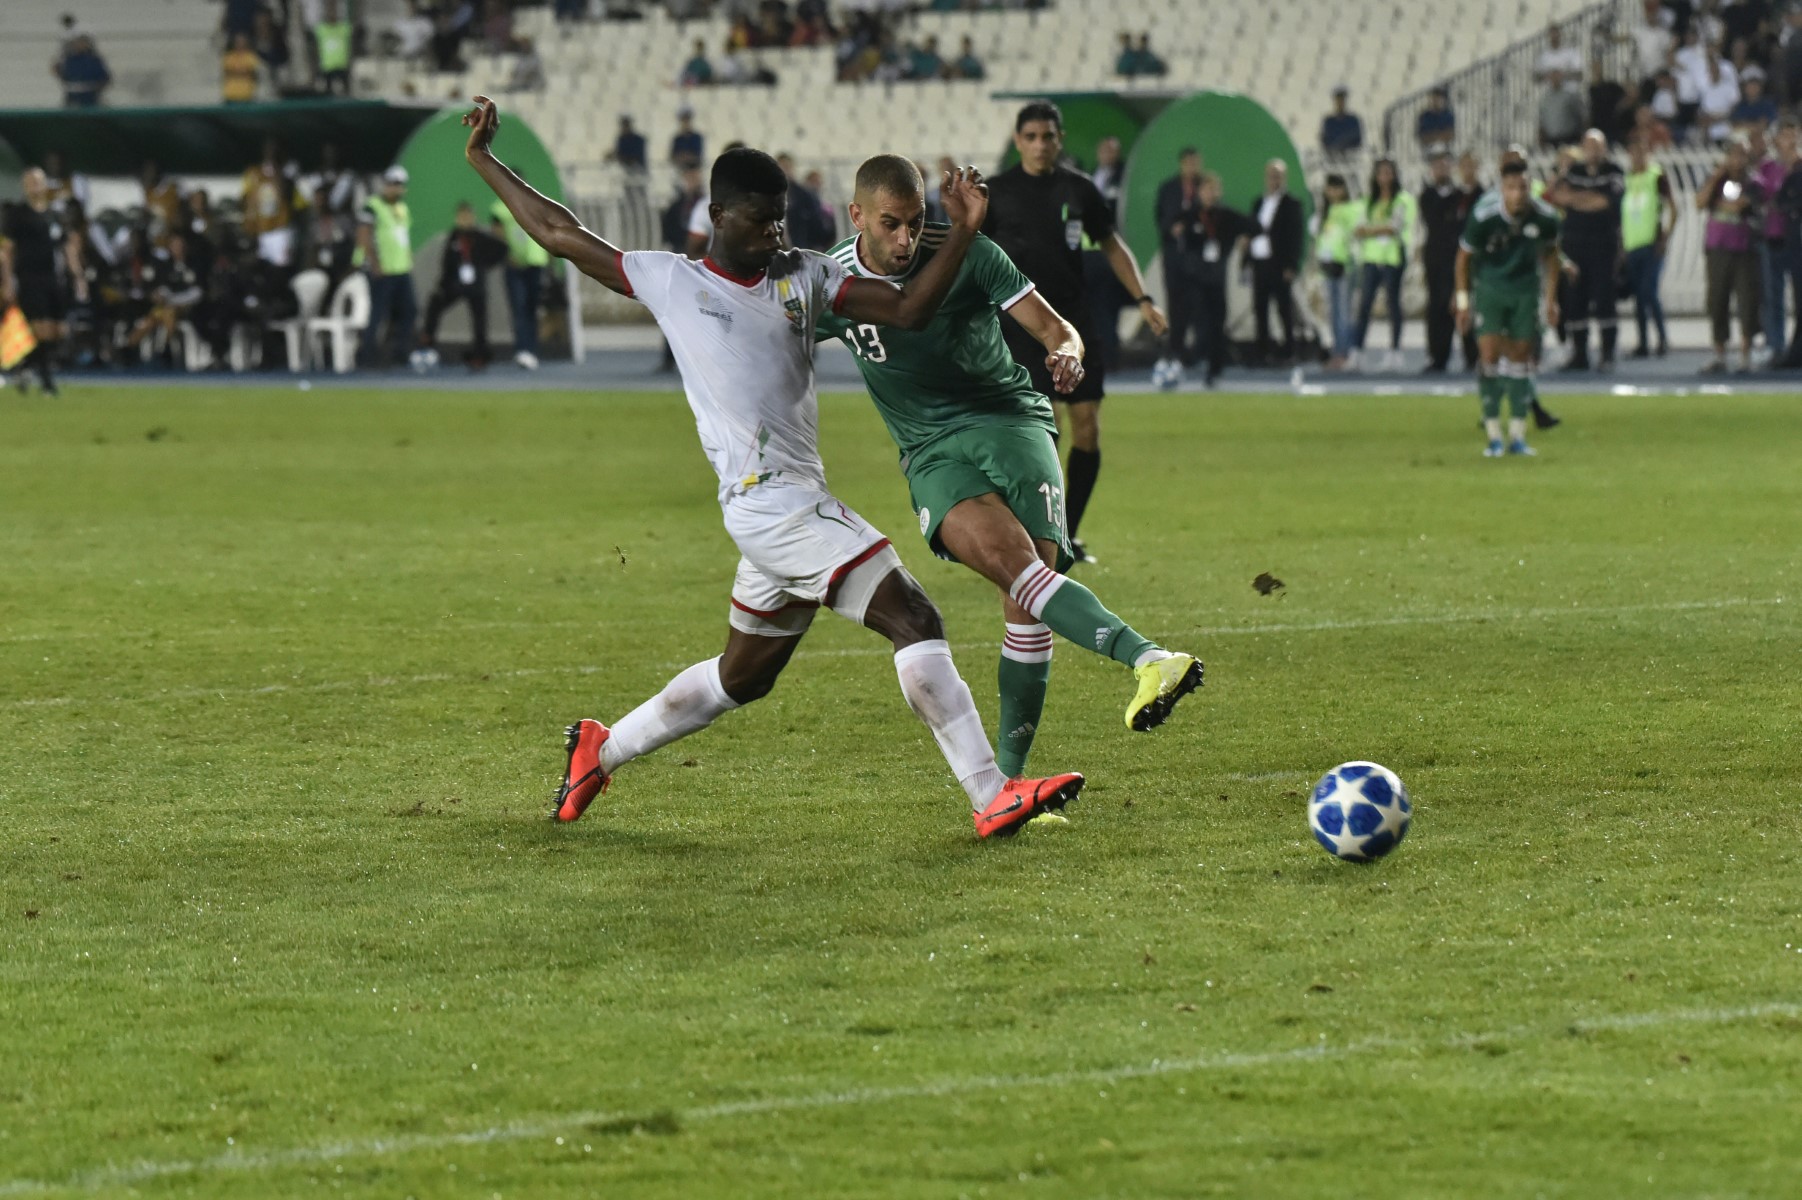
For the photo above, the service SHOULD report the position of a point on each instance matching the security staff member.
(1039, 212)
(385, 250)
(1591, 194)
(1444, 208)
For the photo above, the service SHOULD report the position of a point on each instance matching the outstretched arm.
(966, 202)
(545, 221)
(1063, 345)
(1126, 270)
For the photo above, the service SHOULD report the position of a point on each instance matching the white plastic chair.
(309, 289)
(344, 321)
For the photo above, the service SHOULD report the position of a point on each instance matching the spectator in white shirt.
(1719, 93)
(411, 32)
(1708, 25)
(1653, 38)
(1557, 58)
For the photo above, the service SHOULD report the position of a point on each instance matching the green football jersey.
(1506, 252)
(956, 373)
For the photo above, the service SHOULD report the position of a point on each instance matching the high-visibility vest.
(393, 236)
(1383, 250)
(333, 40)
(1639, 208)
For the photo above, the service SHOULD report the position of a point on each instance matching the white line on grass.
(549, 1126)
(385, 681)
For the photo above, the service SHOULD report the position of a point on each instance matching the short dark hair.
(1187, 152)
(889, 173)
(742, 173)
(1039, 110)
(1513, 166)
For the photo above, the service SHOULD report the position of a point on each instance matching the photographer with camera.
(1734, 202)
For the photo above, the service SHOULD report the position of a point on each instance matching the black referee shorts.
(41, 297)
(1030, 354)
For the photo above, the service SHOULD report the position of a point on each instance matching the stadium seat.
(309, 289)
(344, 321)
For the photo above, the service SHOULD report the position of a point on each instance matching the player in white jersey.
(741, 323)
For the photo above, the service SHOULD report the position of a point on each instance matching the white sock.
(1152, 654)
(1517, 429)
(1493, 427)
(687, 704)
(1027, 643)
(939, 697)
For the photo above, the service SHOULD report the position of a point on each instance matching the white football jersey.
(745, 349)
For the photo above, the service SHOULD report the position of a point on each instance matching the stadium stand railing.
(1497, 99)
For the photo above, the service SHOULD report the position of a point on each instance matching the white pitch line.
(386, 681)
(546, 1127)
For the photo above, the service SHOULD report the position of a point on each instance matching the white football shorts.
(800, 548)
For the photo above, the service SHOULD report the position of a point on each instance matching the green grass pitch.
(282, 682)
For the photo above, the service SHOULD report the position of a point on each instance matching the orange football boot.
(1023, 799)
(583, 778)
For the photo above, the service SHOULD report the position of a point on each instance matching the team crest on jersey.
(925, 520)
(713, 306)
(1531, 231)
(793, 307)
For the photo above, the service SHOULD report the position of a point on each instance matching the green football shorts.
(1507, 312)
(1016, 461)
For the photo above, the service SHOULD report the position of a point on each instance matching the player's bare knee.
(750, 688)
(902, 612)
(748, 682)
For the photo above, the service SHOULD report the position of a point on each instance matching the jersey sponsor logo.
(712, 306)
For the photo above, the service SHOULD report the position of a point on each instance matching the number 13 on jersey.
(866, 342)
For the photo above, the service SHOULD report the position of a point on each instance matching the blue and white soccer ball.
(1167, 374)
(1359, 811)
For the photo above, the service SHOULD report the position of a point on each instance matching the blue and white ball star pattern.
(1359, 811)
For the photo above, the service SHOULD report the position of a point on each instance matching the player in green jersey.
(1511, 242)
(978, 447)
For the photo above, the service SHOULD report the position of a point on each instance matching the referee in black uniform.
(1592, 194)
(1039, 213)
(32, 238)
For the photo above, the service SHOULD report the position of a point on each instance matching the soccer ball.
(1359, 811)
(1167, 374)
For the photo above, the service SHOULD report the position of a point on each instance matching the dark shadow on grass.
(657, 1124)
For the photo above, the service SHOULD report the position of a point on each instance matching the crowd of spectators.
(143, 284)
(441, 33)
(867, 45)
(1698, 71)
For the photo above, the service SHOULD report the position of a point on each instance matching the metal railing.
(1496, 100)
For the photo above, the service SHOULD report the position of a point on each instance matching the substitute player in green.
(978, 446)
(1511, 240)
